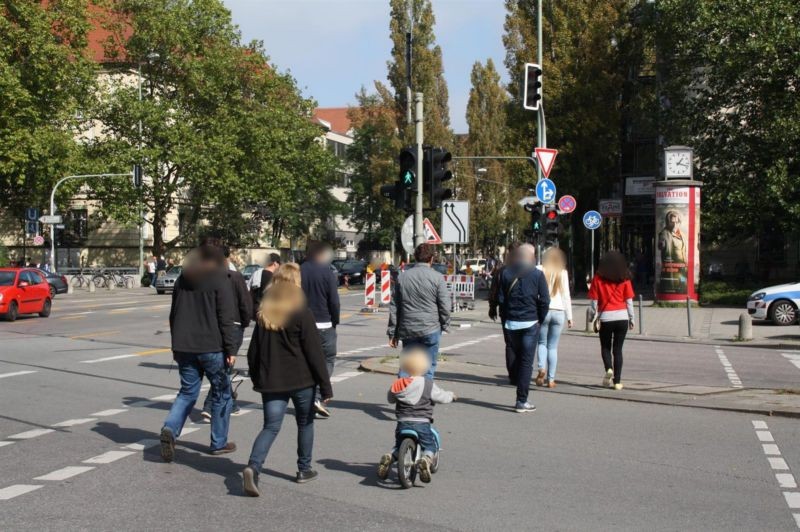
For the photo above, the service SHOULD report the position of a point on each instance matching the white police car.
(778, 304)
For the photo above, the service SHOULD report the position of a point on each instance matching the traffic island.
(767, 402)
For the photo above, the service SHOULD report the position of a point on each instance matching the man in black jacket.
(245, 311)
(322, 294)
(204, 342)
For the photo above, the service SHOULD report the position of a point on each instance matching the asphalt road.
(84, 393)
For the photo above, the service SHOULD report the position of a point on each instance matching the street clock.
(678, 162)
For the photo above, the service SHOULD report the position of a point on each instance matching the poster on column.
(677, 243)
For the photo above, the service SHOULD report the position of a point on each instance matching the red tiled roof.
(336, 117)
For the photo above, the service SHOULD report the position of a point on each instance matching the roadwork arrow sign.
(546, 158)
(455, 222)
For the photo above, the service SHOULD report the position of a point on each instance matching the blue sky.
(333, 47)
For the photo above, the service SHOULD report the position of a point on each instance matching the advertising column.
(677, 240)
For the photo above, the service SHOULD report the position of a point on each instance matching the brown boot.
(540, 377)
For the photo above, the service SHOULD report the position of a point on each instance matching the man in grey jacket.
(420, 307)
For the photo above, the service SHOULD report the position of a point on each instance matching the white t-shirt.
(562, 300)
(151, 267)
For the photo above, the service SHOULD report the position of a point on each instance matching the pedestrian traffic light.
(137, 175)
(408, 167)
(435, 173)
(551, 225)
(532, 87)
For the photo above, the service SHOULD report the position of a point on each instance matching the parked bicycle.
(79, 280)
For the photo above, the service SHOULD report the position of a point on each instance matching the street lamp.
(150, 57)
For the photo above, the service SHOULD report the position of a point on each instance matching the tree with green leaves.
(226, 139)
(730, 79)
(427, 72)
(490, 190)
(45, 79)
(583, 82)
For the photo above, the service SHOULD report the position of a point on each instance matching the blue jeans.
(523, 346)
(207, 402)
(425, 437)
(191, 367)
(549, 334)
(275, 405)
(430, 343)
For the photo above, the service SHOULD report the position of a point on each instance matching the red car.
(23, 291)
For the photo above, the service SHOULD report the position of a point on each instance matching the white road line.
(764, 435)
(793, 358)
(786, 480)
(771, 449)
(4, 443)
(111, 412)
(106, 359)
(141, 445)
(73, 422)
(108, 457)
(165, 397)
(30, 434)
(65, 473)
(797, 519)
(184, 432)
(734, 379)
(778, 463)
(15, 374)
(760, 425)
(16, 490)
(792, 499)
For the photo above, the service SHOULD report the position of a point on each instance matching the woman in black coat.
(286, 362)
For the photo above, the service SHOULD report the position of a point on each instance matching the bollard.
(70, 288)
(641, 316)
(745, 326)
(92, 287)
(689, 315)
(111, 285)
(589, 320)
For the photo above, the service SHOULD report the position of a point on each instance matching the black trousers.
(612, 336)
(510, 356)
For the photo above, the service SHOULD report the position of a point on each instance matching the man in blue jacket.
(525, 299)
(322, 293)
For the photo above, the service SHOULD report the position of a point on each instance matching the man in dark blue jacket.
(322, 293)
(525, 299)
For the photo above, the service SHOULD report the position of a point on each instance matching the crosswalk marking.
(73, 422)
(15, 374)
(65, 473)
(110, 412)
(16, 490)
(27, 435)
(108, 457)
(106, 359)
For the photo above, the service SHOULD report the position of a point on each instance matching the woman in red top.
(611, 294)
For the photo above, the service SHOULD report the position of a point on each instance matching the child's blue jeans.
(425, 436)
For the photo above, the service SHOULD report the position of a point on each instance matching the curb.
(374, 365)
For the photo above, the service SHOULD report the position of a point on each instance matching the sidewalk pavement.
(710, 325)
(753, 401)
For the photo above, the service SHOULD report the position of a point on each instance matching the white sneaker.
(608, 379)
(205, 415)
(521, 408)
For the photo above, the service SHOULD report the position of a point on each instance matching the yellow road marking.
(120, 311)
(72, 318)
(346, 315)
(152, 352)
(93, 335)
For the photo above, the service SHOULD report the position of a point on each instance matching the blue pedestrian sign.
(546, 191)
(592, 219)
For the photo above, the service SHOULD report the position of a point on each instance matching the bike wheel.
(406, 462)
(99, 281)
(77, 281)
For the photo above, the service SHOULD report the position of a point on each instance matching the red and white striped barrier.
(461, 287)
(369, 291)
(386, 287)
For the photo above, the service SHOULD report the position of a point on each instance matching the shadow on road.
(367, 472)
(379, 412)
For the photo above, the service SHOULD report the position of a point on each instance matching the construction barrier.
(386, 287)
(369, 291)
(462, 289)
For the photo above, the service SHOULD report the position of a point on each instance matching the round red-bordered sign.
(567, 204)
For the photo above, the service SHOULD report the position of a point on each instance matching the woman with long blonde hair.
(286, 362)
(554, 267)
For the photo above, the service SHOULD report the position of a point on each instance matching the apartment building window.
(339, 149)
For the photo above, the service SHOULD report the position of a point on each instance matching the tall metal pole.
(540, 133)
(592, 275)
(419, 232)
(139, 198)
(409, 115)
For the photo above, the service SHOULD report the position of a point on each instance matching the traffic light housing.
(436, 174)
(532, 87)
(536, 221)
(551, 226)
(137, 175)
(401, 192)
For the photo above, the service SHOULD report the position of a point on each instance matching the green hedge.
(725, 293)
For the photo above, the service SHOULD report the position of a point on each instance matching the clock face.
(679, 163)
